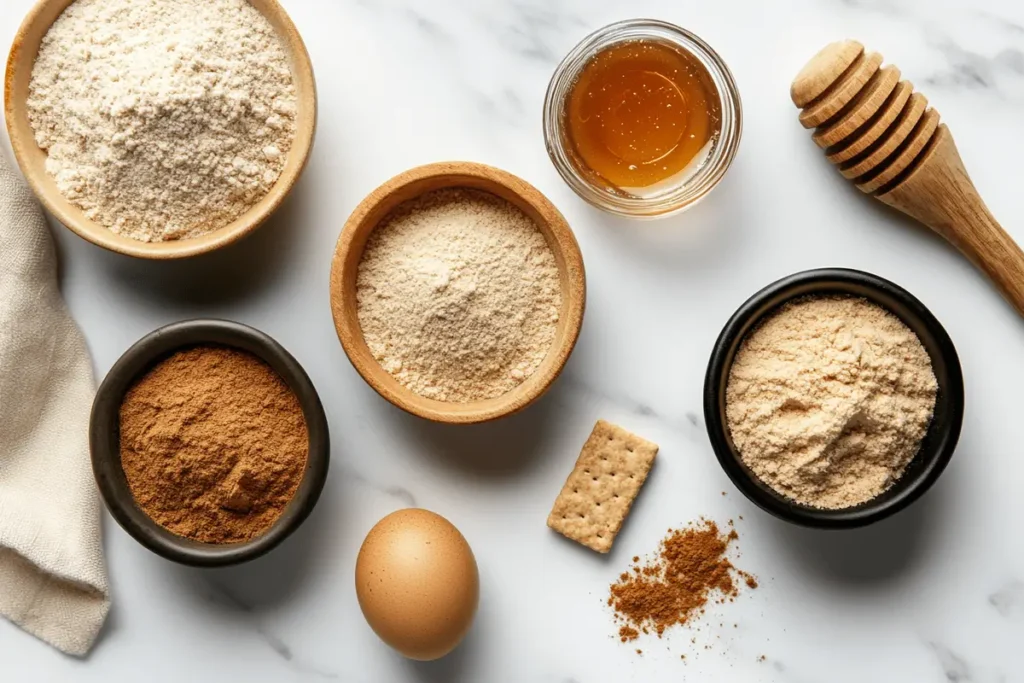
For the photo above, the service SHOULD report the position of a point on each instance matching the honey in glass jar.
(642, 115)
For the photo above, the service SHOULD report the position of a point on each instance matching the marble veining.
(529, 29)
(954, 667)
(997, 67)
(1008, 601)
(399, 493)
(221, 594)
(427, 26)
(1003, 23)
(889, 7)
(934, 594)
(685, 424)
(967, 69)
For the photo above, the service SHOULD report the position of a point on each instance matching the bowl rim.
(943, 436)
(104, 440)
(31, 159)
(364, 220)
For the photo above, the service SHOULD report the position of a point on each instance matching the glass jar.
(674, 197)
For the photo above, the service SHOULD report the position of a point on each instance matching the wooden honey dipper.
(883, 136)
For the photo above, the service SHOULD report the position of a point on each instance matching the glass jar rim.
(689, 191)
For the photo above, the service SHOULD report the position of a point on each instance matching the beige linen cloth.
(53, 580)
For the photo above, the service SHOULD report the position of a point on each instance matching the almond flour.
(458, 295)
(829, 399)
(163, 119)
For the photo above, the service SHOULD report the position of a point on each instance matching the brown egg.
(417, 583)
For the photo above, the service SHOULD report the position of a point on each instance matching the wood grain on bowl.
(32, 159)
(409, 185)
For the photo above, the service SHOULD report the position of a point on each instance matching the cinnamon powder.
(691, 568)
(213, 444)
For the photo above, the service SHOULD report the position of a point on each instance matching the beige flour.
(829, 399)
(458, 295)
(163, 119)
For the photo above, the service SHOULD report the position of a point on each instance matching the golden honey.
(640, 115)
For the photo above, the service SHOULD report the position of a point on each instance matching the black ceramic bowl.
(104, 440)
(938, 444)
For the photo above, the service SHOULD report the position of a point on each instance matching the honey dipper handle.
(939, 193)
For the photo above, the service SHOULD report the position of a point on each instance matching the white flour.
(163, 119)
(458, 295)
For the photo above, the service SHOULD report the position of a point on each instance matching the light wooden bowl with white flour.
(408, 186)
(32, 159)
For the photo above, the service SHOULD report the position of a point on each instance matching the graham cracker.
(600, 490)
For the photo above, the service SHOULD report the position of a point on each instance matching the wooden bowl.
(33, 160)
(409, 185)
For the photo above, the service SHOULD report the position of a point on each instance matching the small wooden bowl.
(33, 160)
(405, 186)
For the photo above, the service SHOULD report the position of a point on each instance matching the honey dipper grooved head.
(870, 124)
(867, 103)
(885, 139)
(842, 91)
(865, 136)
(823, 69)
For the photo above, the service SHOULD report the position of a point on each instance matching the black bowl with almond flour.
(938, 444)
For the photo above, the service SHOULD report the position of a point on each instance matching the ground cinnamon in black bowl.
(213, 444)
(690, 569)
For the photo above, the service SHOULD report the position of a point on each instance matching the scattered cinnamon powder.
(674, 587)
(213, 444)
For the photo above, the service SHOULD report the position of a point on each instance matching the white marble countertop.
(934, 594)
